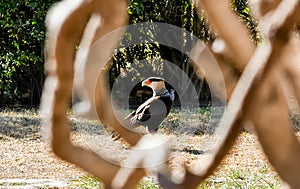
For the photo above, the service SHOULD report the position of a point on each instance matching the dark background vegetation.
(22, 34)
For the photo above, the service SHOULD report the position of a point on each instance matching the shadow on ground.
(27, 125)
(19, 126)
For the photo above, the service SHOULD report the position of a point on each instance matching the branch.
(63, 36)
(250, 95)
(229, 28)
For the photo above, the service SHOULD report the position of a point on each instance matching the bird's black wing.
(142, 113)
(152, 112)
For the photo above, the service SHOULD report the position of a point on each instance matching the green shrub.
(22, 33)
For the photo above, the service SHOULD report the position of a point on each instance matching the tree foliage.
(241, 7)
(183, 14)
(22, 33)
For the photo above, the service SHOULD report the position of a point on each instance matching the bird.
(155, 109)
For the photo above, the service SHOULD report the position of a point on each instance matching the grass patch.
(92, 182)
(86, 182)
(235, 179)
(149, 183)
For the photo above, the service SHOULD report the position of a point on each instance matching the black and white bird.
(154, 110)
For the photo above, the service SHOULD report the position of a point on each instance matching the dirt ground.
(24, 155)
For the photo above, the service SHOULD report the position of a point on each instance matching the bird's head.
(156, 83)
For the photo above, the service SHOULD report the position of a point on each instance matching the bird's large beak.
(146, 83)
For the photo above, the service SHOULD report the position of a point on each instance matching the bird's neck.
(158, 88)
(160, 92)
